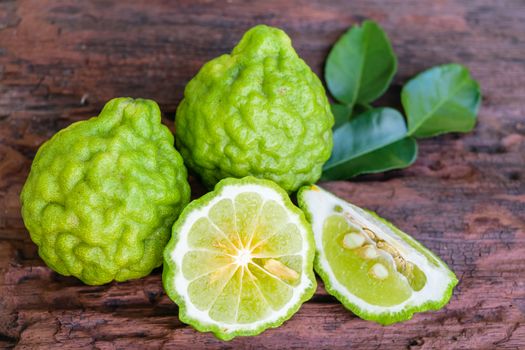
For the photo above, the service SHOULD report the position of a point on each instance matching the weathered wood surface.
(464, 197)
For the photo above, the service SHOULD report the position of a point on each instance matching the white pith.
(242, 258)
(321, 205)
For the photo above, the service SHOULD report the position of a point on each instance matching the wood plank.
(464, 198)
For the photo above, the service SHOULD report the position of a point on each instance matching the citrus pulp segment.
(370, 266)
(240, 259)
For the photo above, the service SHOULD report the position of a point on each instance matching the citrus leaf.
(370, 143)
(360, 108)
(398, 155)
(441, 99)
(361, 64)
(341, 114)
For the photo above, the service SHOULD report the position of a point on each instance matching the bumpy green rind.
(103, 193)
(384, 318)
(258, 111)
(170, 267)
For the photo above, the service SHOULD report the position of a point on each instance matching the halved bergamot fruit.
(240, 259)
(374, 269)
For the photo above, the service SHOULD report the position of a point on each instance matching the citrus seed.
(379, 271)
(353, 240)
(280, 270)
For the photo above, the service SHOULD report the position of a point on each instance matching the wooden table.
(464, 197)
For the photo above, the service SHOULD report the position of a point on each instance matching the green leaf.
(372, 142)
(360, 108)
(341, 114)
(441, 99)
(361, 65)
(398, 155)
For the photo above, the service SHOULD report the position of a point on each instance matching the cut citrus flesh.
(374, 269)
(240, 259)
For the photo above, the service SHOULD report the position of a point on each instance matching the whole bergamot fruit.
(258, 111)
(103, 194)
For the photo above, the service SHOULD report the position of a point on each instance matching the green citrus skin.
(258, 111)
(103, 193)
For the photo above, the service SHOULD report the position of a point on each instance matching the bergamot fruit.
(103, 194)
(258, 111)
(370, 266)
(240, 259)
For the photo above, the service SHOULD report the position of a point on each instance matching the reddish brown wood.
(464, 198)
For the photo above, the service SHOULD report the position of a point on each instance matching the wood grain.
(464, 197)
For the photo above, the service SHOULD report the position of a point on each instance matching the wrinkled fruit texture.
(103, 193)
(258, 111)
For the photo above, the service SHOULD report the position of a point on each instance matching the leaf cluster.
(359, 69)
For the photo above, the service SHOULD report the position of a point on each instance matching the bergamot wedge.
(103, 194)
(240, 259)
(258, 111)
(370, 266)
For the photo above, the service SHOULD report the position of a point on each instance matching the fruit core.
(244, 257)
